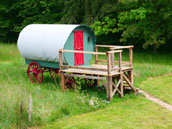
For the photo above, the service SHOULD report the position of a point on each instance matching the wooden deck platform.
(103, 72)
(116, 73)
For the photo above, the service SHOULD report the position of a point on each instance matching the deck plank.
(124, 68)
(90, 72)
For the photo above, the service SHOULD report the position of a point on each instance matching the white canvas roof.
(42, 41)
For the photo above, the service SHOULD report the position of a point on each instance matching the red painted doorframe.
(79, 46)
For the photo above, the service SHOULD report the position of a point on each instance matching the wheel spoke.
(38, 80)
(39, 75)
(53, 73)
(33, 66)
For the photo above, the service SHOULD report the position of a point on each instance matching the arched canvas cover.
(42, 41)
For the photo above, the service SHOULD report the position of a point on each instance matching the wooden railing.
(112, 48)
(110, 60)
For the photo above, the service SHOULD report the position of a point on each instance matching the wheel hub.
(35, 72)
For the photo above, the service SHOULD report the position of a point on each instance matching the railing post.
(96, 61)
(112, 58)
(60, 60)
(120, 62)
(130, 73)
(109, 63)
(109, 77)
(96, 56)
(61, 72)
(131, 56)
(121, 78)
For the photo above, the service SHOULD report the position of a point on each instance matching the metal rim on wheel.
(35, 72)
(54, 73)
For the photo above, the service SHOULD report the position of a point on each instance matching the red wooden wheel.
(89, 82)
(54, 73)
(35, 72)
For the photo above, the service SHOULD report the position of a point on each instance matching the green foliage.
(87, 11)
(141, 22)
(148, 22)
(105, 27)
(14, 16)
(33, 11)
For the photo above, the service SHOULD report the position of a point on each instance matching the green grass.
(131, 112)
(128, 113)
(50, 104)
(160, 87)
(148, 65)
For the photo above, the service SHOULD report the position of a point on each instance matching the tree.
(87, 11)
(148, 22)
(14, 16)
(8, 20)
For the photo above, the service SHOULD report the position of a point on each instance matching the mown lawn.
(131, 112)
(160, 87)
(50, 104)
(128, 113)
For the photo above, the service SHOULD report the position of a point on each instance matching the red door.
(78, 45)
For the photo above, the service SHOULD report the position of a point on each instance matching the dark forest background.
(147, 24)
